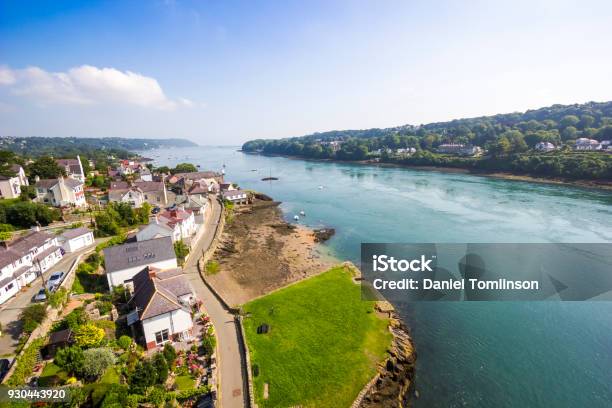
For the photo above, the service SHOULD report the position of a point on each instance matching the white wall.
(176, 322)
(74, 244)
(119, 277)
(151, 231)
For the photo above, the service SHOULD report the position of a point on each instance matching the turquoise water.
(541, 354)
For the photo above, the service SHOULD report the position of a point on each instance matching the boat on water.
(296, 217)
(302, 213)
(320, 187)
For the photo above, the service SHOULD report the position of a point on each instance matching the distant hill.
(71, 146)
(508, 140)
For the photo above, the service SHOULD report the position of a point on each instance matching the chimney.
(36, 179)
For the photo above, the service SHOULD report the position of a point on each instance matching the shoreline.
(579, 183)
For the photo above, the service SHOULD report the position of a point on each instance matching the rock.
(323, 234)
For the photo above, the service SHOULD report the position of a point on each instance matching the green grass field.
(322, 346)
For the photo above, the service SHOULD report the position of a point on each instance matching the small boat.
(320, 187)
(296, 217)
(302, 213)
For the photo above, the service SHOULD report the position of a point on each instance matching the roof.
(118, 193)
(76, 232)
(42, 255)
(67, 162)
(14, 168)
(117, 185)
(20, 246)
(157, 292)
(140, 253)
(198, 188)
(233, 193)
(148, 186)
(70, 182)
(62, 336)
(198, 175)
(49, 183)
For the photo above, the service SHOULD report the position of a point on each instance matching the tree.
(181, 250)
(569, 133)
(45, 168)
(170, 354)
(88, 335)
(70, 359)
(96, 361)
(27, 193)
(161, 366)
(32, 316)
(26, 214)
(569, 120)
(184, 168)
(144, 376)
(586, 121)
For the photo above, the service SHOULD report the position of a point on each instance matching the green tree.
(170, 354)
(181, 250)
(125, 342)
(161, 367)
(45, 167)
(70, 359)
(27, 193)
(184, 168)
(32, 316)
(96, 361)
(144, 376)
(569, 120)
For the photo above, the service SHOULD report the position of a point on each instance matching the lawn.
(51, 376)
(100, 388)
(323, 342)
(184, 382)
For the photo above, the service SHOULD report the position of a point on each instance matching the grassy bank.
(323, 342)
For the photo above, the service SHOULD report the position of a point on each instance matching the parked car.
(55, 280)
(5, 364)
(41, 296)
(155, 210)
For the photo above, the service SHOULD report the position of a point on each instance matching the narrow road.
(229, 360)
(11, 309)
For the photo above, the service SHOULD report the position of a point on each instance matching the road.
(10, 310)
(229, 360)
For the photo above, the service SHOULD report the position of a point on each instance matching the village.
(113, 288)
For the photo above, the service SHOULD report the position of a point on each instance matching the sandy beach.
(260, 252)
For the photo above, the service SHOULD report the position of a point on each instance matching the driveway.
(229, 360)
(10, 310)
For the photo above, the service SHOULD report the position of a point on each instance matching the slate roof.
(14, 168)
(75, 232)
(20, 246)
(49, 183)
(198, 175)
(140, 253)
(233, 193)
(158, 294)
(148, 186)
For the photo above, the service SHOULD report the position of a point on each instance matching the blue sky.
(225, 72)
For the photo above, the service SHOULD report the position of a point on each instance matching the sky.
(221, 73)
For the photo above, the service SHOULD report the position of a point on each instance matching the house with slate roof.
(161, 303)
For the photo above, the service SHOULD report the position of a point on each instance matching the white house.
(61, 192)
(145, 174)
(161, 301)
(24, 258)
(122, 262)
(235, 196)
(131, 195)
(73, 168)
(545, 147)
(584, 143)
(178, 224)
(76, 238)
(10, 186)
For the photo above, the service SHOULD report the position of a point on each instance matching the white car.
(55, 280)
(41, 296)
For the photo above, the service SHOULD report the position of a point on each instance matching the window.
(9, 286)
(162, 336)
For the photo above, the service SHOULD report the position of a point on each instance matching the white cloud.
(89, 85)
(6, 76)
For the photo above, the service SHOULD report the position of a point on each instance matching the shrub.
(208, 344)
(124, 342)
(161, 366)
(88, 335)
(170, 354)
(97, 361)
(32, 316)
(58, 298)
(104, 307)
(70, 359)
(212, 268)
(181, 250)
(25, 363)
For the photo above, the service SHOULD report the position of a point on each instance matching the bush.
(209, 343)
(25, 363)
(104, 307)
(58, 298)
(161, 367)
(70, 359)
(212, 268)
(88, 335)
(181, 250)
(124, 342)
(170, 354)
(32, 316)
(96, 362)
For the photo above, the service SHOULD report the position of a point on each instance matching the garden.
(314, 343)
